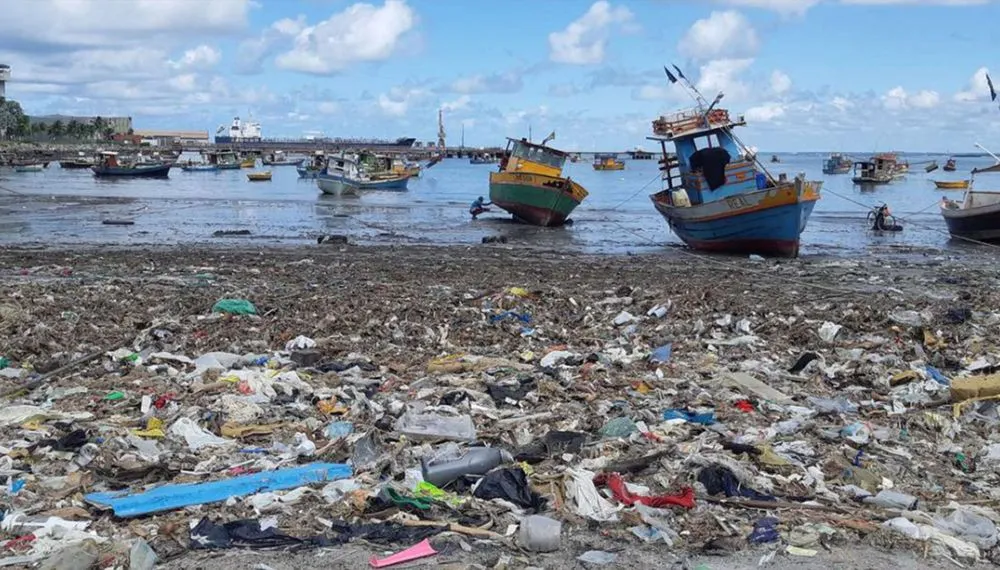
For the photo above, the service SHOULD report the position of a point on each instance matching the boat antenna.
(529, 132)
(703, 103)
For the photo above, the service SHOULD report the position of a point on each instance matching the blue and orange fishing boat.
(718, 197)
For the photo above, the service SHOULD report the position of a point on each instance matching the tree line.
(15, 124)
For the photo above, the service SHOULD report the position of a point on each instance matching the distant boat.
(346, 175)
(248, 162)
(278, 158)
(29, 168)
(608, 162)
(530, 184)
(716, 197)
(109, 166)
(837, 163)
(199, 167)
(223, 159)
(775, 159)
(482, 159)
(951, 184)
(259, 176)
(874, 171)
(950, 166)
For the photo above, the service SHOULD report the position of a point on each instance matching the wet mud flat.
(808, 382)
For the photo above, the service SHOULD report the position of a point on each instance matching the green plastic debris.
(4, 363)
(234, 307)
(116, 395)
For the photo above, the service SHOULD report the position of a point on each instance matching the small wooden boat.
(248, 162)
(717, 198)
(951, 184)
(775, 159)
(482, 159)
(950, 166)
(608, 162)
(79, 163)
(278, 158)
(530, 184)
(108, 166)
(875, 171)
(347, 175)
(837, 163)
(223, 159)
(259, 176)
(29, 167)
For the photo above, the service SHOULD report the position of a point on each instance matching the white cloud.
(360, 33)
(584, 40)
(328, 107)
(201, 57)
(659, 92)
(724, 75)
(841, 103)
(397, 102)
(722, 35)
(252, 52)
(780, 82)
(102, 23)
(788, 7)
(897, 99)
(564, 90)
(506, 82)
(978, 87)
(456, 105)
(764, 113)
(800, 7)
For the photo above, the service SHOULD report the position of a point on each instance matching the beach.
(387, 314)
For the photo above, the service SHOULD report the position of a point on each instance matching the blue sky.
(808, 74)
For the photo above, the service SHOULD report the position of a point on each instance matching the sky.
(809, 75)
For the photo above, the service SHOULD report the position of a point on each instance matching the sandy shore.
(400, 307)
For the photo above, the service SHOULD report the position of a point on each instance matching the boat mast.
(529, 132)
(441, 130)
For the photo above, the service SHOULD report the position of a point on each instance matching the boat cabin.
(108, 159)
(342, 165)
(531, 158)
(606, 160)
(222, 157)
(708, 164)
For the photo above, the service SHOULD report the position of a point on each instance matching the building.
(4, 78)
(167, 138)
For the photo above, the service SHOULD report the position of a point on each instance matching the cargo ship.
(249, 132)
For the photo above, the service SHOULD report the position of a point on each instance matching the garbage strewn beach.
(477, 407)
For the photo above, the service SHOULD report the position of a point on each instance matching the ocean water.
(68, 207)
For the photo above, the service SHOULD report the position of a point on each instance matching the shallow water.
(68, 206)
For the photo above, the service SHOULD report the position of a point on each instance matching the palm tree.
(56, 129)
(73, 128)
(109, 132)
(99, 124)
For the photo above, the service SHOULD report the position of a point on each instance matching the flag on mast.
(679, 73)
(670, 76)
(993, 92)
(551, 137)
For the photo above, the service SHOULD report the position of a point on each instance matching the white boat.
(29, 168)
(340, 177)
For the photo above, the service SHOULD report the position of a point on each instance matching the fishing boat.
(223, 159)
(29, 167)
(482, 159)
(109, 166)
(347, 174)
(775, 159)
(837, 163)
(199, 167)
(530, 184)
(79, 163)
(950, 166)
(977, 216)
(248, 162)
(874, 171)
(951, 184)
(892, 164)
(278, 158)
(264, 176)
(313, 168)
(608, 162)
(401, 167)
(718, 198)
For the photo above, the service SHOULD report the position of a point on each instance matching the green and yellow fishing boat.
(530, 184)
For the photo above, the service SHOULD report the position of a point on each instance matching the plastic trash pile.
(531, 422)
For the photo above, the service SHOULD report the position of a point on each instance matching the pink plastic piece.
(422, 549)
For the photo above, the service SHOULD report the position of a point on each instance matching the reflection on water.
(68, 206)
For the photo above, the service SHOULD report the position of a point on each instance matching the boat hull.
(29, 168)
(837, 169)
(981, 224)
(866, 180)
(200, 168)
(605, 167)
(75, 165)
(307, 172)
(229, 166)
(281, 162)
(765, 222)
(336, 185)
(154, 171)
(535, 198)
(951, 185)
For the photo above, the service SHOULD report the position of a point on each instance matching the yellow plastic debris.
(154, 428)
(519, 292)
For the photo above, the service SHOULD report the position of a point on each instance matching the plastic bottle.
(477, 461)
(540, 534)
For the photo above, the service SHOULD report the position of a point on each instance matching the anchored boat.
(950, 166)
(109, 166)
(278, 158)
(977, 216)
(199, 167)
(718, 197)
(29, 167)
(264, 176)
(951, 184)
(248, 162)
(837, 163)
(530, 184)
(878, 170)
(608, 162)
(313, 168)
(223, 159)
(350, 174)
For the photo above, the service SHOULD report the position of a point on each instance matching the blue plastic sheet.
(936, 375)
(170, 497)
(704, 418)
